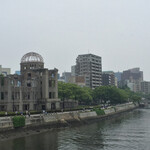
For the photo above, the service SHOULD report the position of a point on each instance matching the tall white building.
(89, 66)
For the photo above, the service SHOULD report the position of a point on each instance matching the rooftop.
(32, 57)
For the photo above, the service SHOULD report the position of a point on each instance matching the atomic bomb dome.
(32, 57)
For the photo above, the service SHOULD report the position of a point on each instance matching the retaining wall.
(109, 111)
(120, 108)
(35, 120)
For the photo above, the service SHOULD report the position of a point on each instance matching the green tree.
(85, 96)
(75, 92)
(136, 98)
(109, 93)
(99, 95)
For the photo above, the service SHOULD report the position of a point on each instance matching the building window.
(28, 84)
(53, 83)
(2, 108)
(50, 83)
(29, 75)
(26, 107)
(35, 106)
(18, 83)
(31, 66)
(13, 97)
(28, 96)
(53, 106)
(43, 107)
(53, 75)
(51, 95)
(2, 95)
(2, 81)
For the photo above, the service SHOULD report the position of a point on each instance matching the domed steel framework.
(32, 57)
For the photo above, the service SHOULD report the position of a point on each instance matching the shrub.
(11, 113)
(99, 111)
(2, 113)
(35, 112)
(18, 121)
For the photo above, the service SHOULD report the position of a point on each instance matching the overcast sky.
(60, 30)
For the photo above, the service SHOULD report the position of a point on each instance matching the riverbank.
(42, 123)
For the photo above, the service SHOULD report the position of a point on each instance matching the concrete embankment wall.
(120, 108)
(64, 117)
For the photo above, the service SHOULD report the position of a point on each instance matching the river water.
(130, 131)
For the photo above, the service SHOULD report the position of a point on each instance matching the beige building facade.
(4, 71)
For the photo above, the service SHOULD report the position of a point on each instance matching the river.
(129, 131)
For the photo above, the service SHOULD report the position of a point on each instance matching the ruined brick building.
(35, 89)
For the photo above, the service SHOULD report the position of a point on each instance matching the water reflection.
(43, 141)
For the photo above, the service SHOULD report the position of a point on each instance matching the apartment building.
(108, 78)
(89, 66)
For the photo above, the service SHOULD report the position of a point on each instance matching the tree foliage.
(102, 94)
(110, 94)
(72, 91)
(136, 98)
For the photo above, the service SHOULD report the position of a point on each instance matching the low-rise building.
(35, 89)
(78, 80)
(4, 71)
(18, 72)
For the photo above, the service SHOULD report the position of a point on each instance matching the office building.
(132, 75)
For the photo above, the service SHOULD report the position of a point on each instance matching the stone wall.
(109, 111)
(6, 122)
(87, 114)
(41, 119)
(119, 108)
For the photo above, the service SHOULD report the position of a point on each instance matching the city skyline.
(61, 72)
(62, 30)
